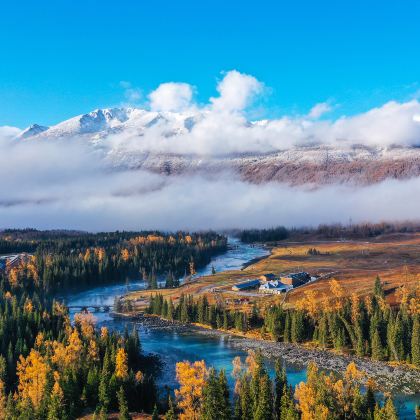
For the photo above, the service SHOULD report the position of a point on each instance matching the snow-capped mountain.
(168, 143)
(107, 121)
(32, 130)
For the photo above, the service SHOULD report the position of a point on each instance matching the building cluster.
(7, 262)
(272, 284)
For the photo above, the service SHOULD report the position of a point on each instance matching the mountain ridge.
(311, 164)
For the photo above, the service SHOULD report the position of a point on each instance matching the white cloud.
(237, 90)
(319, 110)
(8, 132)
(171, 96)
(131, 94)
(390, 124)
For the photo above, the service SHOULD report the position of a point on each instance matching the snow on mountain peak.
(101, 122)
(32, 130)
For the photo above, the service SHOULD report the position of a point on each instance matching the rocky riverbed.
(399, 379)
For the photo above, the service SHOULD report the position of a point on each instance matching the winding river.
(172, 347)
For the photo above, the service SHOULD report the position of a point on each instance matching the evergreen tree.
(264, 409)
(104, 394)
(155, 414)
(55, 409)
(415, 341)
(369, 402)
(323, 332)
(378, 290)
(10, 412)
(171, 414)
(215, 401)
(376, 344)
(288, 410)
(171, 310)
(397, 338)
(225, 320)
(297, 327)
(389, 410)
(246, 401)
(287, 335)
(280, 382)
(224, 392)
(184, 315)
(122, 405)
(211, 398)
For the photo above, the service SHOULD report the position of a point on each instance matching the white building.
(274, 287)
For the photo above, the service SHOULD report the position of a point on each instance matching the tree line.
(334, 231)
(90, 259)
(367, 327)
(190, 310)
(204, 394)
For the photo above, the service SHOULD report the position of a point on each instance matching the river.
(172, 347)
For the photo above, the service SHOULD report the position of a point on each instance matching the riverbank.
(388, 378)
(257, 259)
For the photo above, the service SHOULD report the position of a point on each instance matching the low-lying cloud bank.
(67, 186)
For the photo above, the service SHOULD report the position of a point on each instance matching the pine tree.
(397, 337)
(55, 409)
(184, 316)
(390, 411)
(211, 398)
(287, 335)
(378, 290)
(26, 410)
(10, 412)
(323, 332)
(369, 402)
(237, 409)
(224, 392)
(297, 327)
(171, 310)
(216, 398)
(155, 414)
(387, 412)
(170, 414)
(247, 411)
(415, 342)
(122, 405)
(225, 320)
(104, 394)
(218, 321)
(376, 344)
(264, 409)
(280, 382)
(288, 410)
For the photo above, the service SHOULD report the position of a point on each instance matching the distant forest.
(334, 231)
(65, 259)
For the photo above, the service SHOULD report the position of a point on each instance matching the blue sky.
(62, 58)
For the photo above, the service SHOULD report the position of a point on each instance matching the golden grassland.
(355, 264)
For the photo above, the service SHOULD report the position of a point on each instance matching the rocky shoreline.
(399, 379)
